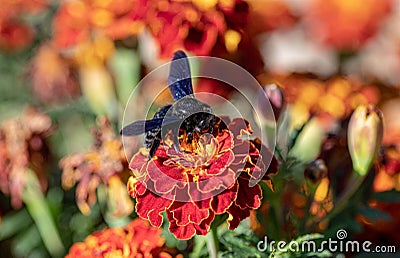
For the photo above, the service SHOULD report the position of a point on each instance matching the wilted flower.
(211, 176)
(322, 202)
(52, 78)
(137, 239)
(102, 165)
(23, 147)
(346, 25)
(364, 137)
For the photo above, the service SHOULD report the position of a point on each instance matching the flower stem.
(212, 243)
(351, 189)
(40, 212)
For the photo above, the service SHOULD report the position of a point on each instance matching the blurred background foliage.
(67, 69)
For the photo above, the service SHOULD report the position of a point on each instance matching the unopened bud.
(276, 99)
(275, 95)
(316, 171)
(97, 87)
(364, 137)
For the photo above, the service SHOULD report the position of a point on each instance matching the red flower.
(137, 239)
(213, 175)
(196, 26)
(15, 34)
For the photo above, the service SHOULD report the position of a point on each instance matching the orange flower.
(23, 147)
(346, 25)
(102, 165)
(78, 20)
(388, 176)
(336, 97)
(213, 175)
(137, 239)
(267, 15)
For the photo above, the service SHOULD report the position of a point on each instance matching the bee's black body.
(187, 113)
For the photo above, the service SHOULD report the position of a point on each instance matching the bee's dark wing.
(142, 126)
(179, 79)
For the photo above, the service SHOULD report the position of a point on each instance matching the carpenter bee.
(186, 114)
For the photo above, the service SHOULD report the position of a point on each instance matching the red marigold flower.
(23, 147)
(196, 26)
(346, 25)
(102, 165)
(215, 174)
(14, 34)
(137, 239)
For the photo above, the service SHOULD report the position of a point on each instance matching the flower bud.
(275, 95)
(97, 87)
(316, 171)
(364, 137)
(276, 99)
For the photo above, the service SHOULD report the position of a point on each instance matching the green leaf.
(239, 243)
(125, 65)
(388, 196)
(14, 222)
(25, 242)
(373, 215)
(287, 251)
(199, 247)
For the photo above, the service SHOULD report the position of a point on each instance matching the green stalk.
(212, 243)
(40, 212)
(342, 201)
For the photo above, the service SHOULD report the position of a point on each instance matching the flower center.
(206, 147)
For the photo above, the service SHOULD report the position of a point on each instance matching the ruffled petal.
(236, 215)
(248, 197)
(150, 206)
(185, 213)
(221, 202)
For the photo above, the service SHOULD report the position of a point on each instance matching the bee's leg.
(154, 147)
